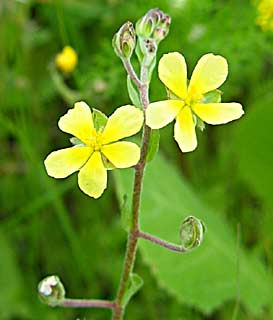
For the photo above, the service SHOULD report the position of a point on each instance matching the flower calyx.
(191, 233)
(51, 291)
(124, 41)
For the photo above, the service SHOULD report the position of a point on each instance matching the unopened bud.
(155, 24)
(51, 291)
(145, 26)
(191, 233)
(159, 34)
(124, 40)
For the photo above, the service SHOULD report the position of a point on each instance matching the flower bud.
(191, 233)
(67, 60)
(51, 291)
(124, 40)
(145, 26)
(155, 24)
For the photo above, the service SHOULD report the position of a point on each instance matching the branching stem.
(83, 303)
(131, 72)
(169, 245)
(132, 240)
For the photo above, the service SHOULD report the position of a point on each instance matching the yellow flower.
(67, 60)
(265, 18)
(97, 147)
(189, 105)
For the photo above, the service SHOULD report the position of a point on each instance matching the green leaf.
(212, 97)
(253, 145)
(139, 52)
(99, 118)
(255, 161)
(126, 214)
(153, 145)
(134, 284)
(133, 93)
(206, 277)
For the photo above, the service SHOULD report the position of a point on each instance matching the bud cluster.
(155, 25)
(191, 233)
(152, 28)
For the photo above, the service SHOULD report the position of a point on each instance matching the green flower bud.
(124, 41)
(155, 24)
(51, 291)
(191, 233)
(145, 26)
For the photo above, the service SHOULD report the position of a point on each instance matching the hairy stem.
(82, 303)
(131, 72)
(160, 242)
(132, 240)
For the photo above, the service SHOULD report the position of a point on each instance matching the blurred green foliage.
(50, 227)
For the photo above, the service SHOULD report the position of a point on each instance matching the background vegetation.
(50, 227)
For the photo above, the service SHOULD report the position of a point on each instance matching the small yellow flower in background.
(67, 60)
(265, 18)
(97, 147)
(188, 103)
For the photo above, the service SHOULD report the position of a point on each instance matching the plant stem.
(82, 303)
(132, 240)
(131, 72)
(160, 242)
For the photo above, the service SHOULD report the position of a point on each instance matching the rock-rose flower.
(97, 149)
(189, 102)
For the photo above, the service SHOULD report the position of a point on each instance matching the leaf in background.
(153, 145)
(206, 277)
(11, 301)
(254, 145)
(134, 284)
(133, 93)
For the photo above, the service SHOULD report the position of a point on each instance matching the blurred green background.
(50, 227)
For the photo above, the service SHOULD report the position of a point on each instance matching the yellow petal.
(122, 154)
(172, 71)
(62, 163)
(184, 130)
(92, 177)
(209, 74)
(124, 122)
(160, 113)
(218, 113)
(78, 122)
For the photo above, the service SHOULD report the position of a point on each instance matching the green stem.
(163, 243)
(132, 240)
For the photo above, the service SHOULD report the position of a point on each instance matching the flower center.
(96, 142)
(193, 97)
